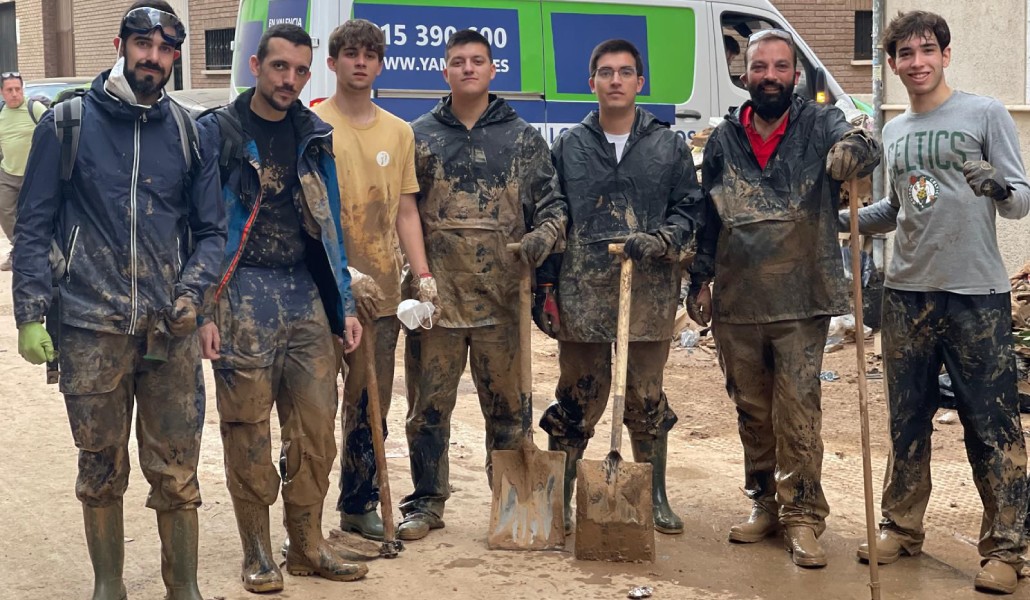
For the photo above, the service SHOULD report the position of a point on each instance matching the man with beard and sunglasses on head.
(772, 172)
(18, 119)
(129, 296)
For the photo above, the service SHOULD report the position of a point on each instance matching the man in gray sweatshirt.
(953, 165)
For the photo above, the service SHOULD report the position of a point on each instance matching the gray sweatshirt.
(946, 238)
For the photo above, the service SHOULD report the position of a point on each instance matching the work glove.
(845, 157)
(539, 243)
(423, 289)
(368, 296)
(642, 245)
(545, 310)
(34, 343)
(985, 180)
(182, 319)
(699, 304)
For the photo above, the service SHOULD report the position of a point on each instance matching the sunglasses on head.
(144, 20)
(10, 75)
(770, 33)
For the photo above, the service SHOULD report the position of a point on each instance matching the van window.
(739, 27)
(255, 17)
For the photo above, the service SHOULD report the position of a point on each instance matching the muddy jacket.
(481, 189)
(138, 229)
(318, 197)
(652, 189)
(770, 236)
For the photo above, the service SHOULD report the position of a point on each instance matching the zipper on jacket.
(71, 252)
(132, 224)
(178, 257)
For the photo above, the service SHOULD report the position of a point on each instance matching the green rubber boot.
(368, 525)
(572, 454)
(105, 539)
(656, 451)
(179, 532)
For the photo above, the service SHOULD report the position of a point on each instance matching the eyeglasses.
(608, 73)
(144, 20)
(771, 33)
(10, 75)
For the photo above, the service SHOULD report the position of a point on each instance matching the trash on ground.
(640, 592)
(948, 418)
(829, 376)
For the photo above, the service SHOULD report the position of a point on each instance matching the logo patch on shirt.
(383, 158)
(923, 191)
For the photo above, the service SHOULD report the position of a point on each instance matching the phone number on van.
(436, 35)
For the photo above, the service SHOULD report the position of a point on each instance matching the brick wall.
(204, 15)
(31, 49)
(96, 25)
(828, 26)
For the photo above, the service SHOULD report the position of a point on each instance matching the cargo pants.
(277, 350)
(972, 336)
(10, 186)
(433, 363)
(772, 375)
(584, 383)
(102, 376)
(359, 488)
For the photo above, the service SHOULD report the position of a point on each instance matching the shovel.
(614, 519)
(528, 484)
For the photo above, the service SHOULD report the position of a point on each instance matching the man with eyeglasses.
(627, 176)
(142, 231)
(17, 120)
(772, 174)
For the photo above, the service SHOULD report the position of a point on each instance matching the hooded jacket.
(481, 189)
(770, 236)
(137, 228)
(653, 189)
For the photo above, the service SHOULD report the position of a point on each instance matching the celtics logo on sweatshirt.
(923, 190)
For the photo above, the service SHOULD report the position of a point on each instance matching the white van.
(542, 49)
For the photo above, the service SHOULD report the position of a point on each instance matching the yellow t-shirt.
(375, 164)
(16, 127)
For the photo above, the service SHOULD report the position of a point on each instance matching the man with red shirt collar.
(772, 174)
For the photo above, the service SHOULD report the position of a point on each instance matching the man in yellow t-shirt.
(375, 163)
(16, 127)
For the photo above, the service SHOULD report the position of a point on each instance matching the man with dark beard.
(772, 172)
(129, 295)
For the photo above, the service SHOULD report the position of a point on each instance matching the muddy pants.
(277, 349)
(433, 363)
(10, 186)
(585, 379)
(101, 375)
(772, 375)
(972, 336)
(359, 491)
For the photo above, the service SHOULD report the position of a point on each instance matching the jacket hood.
(643, 123)
(797, 104)
(497, 111)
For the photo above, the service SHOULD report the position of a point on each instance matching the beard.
(270, 99)
(771, 106)
(145, 84)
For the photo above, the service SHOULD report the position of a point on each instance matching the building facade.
(840, 33)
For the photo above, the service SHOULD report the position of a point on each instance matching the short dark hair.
(464, 37)
(357, 33)
(287, 31)
(916, 22)
(614, 47)
(158, 4)
(731, 45)
(9, 75)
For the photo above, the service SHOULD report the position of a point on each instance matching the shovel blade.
(614, 520)
(526, 511)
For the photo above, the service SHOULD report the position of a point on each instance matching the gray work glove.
(538, 244)
(642, 245)
(368, 297)
(845, 158)
(182, 319)
(985, 180)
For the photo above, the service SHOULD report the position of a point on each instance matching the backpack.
(32, 109)
(231, 131)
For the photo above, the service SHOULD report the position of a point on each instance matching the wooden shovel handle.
(525, 344)
(375, 417)
(621, 344)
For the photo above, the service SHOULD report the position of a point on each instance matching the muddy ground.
(43, 554)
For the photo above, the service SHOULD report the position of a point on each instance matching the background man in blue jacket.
(129, 294)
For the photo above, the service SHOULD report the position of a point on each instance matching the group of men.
(267, 239)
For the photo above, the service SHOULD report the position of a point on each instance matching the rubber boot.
(259, 572)
(309, 553)
(105, 538)
(656, 451)
(368, 525)
(179, 531)
(572, 454)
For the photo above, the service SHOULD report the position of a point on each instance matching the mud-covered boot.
(309, 553)
(105, 539)
(656, 451)
(572, 455)
(259, 572)
(179, 532)
(368, 525)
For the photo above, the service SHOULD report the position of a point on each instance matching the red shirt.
(763, 149)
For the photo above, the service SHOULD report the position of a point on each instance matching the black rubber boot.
(105, 539)
(259, 572)
(656, 451)
(179, 532)
(572, 454)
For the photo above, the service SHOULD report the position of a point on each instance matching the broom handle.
(621, 344)
(863, 400)
(375, 419)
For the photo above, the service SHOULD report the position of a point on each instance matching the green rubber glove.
(34, 343)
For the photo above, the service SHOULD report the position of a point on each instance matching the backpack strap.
(68, 122)
(187, 133)
(32, 111)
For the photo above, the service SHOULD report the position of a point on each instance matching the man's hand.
(423, 289)
(642, 245)
(844, 159)
(985, 180)
(538, 244)
(351, 334)
(34, 343)
(210, 341)
(182, 320)
(699, 304)
(368, 296)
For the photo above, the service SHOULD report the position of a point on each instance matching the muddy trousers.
(772, 375)
(359, 490)
(972, 336)
(584, 383)
(433, 363)
(10, 186)
(277, 350)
